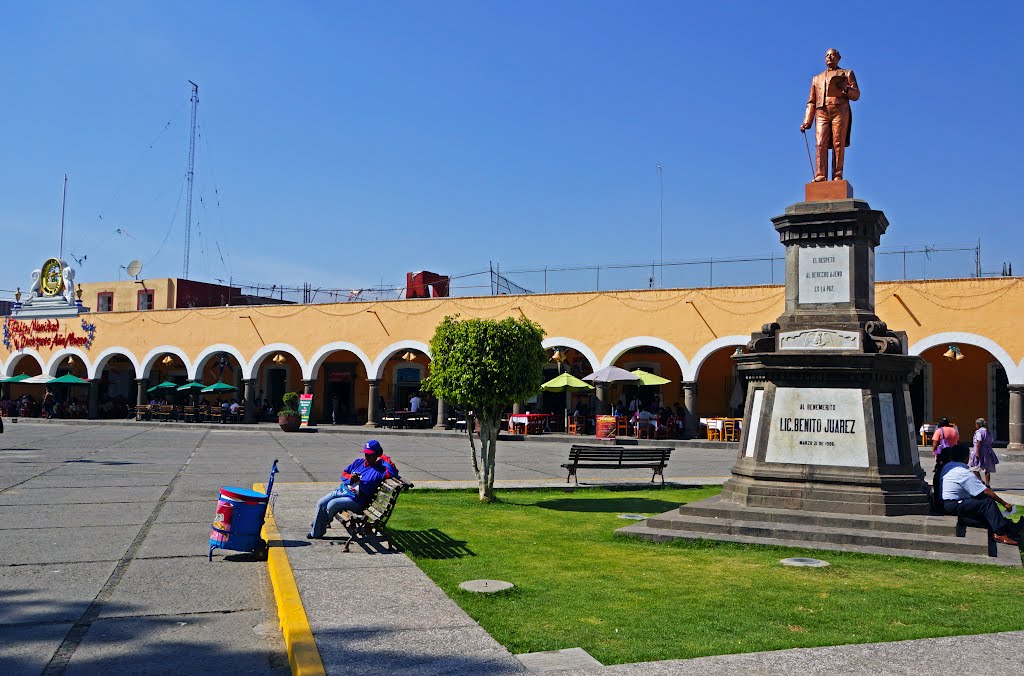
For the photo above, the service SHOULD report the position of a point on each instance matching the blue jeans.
(327, 507)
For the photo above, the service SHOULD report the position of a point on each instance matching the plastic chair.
(715, 429)
(577, 424)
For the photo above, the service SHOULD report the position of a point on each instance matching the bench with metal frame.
(376, 514)
(618, 457)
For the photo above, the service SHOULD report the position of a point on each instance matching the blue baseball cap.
(372, 446)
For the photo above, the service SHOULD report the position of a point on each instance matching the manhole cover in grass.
(802, 562)
(485, 586)
(633, 517)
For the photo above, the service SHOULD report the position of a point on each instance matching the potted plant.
(288, 417)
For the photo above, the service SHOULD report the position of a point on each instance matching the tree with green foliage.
(485, 365)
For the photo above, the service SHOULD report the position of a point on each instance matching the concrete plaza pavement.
(103, 532)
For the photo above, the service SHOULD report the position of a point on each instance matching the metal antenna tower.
(189, 176)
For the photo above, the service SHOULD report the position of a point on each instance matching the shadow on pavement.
(429, 544)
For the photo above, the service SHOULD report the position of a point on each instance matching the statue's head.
(832, 57)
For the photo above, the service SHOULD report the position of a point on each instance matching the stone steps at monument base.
(818, 498)
(1007, 555)
(976, 541)
(919, 524)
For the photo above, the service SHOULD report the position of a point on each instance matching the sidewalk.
(411, 626)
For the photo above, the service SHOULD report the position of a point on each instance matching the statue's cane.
(809, 160)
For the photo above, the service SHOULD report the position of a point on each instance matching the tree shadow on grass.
(429, 544)
(629, 505)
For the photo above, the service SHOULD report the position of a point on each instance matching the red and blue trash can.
(239, 518)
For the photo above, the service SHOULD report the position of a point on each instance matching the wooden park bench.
(618, 457)
(376, 514)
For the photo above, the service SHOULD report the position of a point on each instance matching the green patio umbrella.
(566, 381)
(194, 385)
(220, 387)
(15, 379)
(68, 379)
(165, 385)
(649, 378)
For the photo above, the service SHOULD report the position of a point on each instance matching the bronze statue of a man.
(829, 104)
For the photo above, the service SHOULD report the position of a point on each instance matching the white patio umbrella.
(611, 374)
(41, 379)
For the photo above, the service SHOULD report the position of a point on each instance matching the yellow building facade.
(349, 355)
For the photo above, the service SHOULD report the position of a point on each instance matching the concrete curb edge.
(303, 655)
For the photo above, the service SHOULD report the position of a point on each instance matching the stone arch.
(96, 368)
(207, 352)
(582, 348)
(252, 367)
(709, 349)
(376, 370)
(57, 357)
(316, 361)
(15, 359)
(151, 357)
(628, 344)
(1013, 373)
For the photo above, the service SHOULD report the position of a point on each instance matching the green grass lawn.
(628, 601)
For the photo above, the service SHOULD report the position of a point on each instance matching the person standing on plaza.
(983, 458)
(945, 435)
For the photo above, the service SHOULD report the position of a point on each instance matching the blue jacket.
(370, 477)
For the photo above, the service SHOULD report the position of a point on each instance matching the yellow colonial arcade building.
(355, 357)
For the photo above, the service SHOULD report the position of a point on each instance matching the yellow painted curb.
(303, 655)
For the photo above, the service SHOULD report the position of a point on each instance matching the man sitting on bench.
(359, 482)
(964, 495)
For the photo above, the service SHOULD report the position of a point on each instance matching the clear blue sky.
(346, 143)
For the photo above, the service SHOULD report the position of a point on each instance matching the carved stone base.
(829, 432)
(824, 191)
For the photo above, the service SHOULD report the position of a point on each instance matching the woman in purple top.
(983, 458)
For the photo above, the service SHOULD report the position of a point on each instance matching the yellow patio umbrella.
(649, 378)
(566, 381)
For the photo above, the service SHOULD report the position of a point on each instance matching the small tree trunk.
(485, 494)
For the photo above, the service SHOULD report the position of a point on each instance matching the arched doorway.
(70, 400)
(25, 398)
(962, 389)
(559, 404)
(342, 389)
(652, 360)
(116, 391)
(401, 379)
(276, 372)
(720, 394)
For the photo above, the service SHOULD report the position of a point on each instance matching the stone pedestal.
(828, 458)
(828, 423)
(824, 191)
(829, 433)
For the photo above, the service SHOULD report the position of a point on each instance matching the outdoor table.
(531, 423)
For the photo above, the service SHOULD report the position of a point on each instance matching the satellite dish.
(134, 268)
